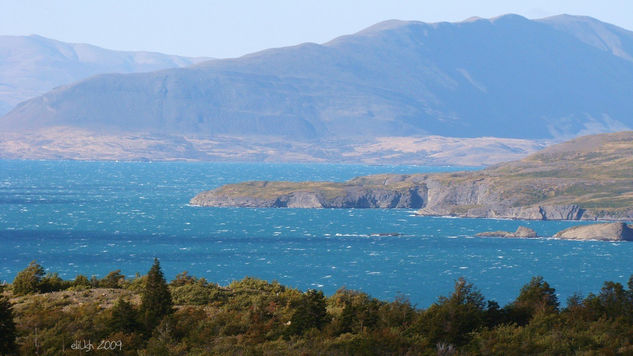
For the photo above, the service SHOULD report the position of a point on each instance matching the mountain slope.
(33, 65)
(503, 77)
(599, 34)
(587, 178)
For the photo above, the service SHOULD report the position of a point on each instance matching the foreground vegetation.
(42, 314)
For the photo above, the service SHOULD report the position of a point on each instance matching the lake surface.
(94, 217)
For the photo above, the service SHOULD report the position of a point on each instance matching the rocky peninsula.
(588, 178)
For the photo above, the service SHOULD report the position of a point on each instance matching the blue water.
(95, 217)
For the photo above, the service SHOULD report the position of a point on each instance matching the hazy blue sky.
(234, 27)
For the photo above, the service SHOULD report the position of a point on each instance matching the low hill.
(586, 178)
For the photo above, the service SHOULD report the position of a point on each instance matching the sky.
(231, 28)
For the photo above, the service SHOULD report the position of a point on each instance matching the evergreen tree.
(310, 313)
(156, 299)
(28, 280)
(7, 327)
(124, 318)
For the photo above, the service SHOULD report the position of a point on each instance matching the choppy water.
(94, 217)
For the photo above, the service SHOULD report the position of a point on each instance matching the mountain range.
(33, 65)
(506, 77)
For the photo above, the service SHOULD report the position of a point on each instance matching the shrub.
(113, 279)
(51, 282)
(198, 293)
(452, 319)
(28, 280)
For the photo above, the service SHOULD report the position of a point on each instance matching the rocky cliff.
(317, 195)
(583, 179)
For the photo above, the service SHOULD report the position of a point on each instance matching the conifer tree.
(310, 313)
(7, 328)
(123, 317)
(156, 299)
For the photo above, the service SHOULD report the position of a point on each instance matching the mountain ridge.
(450, 79)
(506, 77)
(32, 65)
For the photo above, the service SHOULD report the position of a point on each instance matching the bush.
(113, 279)
(81, 282)
(451, 320)
(51, 282)
(198, 293)
(28, 280)
(182, 278)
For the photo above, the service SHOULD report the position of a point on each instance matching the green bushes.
(113, 279)
(452, 319)
(256, 317)
(188, 290)
(28, 280)
(33, 279)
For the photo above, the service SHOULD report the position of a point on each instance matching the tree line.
(43, 314)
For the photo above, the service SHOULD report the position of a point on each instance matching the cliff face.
(350, 197)
(583, 179)
(480, 199)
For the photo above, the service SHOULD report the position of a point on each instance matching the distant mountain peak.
(504, 77)
(32, 65)
(473, 19)
(509, 17)
(384, 26)
(596, 33)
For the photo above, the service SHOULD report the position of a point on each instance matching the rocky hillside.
(584, 179)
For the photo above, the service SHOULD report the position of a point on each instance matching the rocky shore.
(600, 232)
(588, 178)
